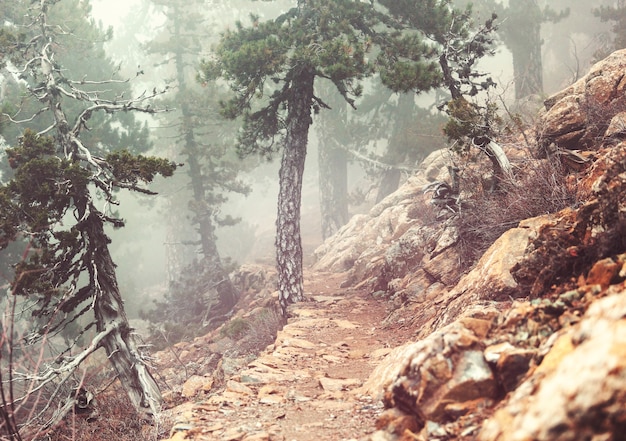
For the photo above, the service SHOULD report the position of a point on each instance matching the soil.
(306, 386)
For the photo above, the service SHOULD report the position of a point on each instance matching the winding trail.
(305, 386)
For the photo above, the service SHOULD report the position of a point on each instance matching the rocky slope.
(529, 343)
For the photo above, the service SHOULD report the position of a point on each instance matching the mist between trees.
(146, 150)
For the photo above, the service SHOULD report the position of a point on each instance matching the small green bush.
(235, 329)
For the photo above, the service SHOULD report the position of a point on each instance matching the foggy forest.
(151, 148)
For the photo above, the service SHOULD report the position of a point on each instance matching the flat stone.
(309, 323)
(332, 358)
(325, 299)
(357, 354)
(235, 434)
(337, 384)
(268, 363)
(272, 399)
(259, 436)
(344, 324)
(332, 405)
(235, 386)
(194, 384)
(299, 343)
(380, 353)
(301, 312)
(213, 427)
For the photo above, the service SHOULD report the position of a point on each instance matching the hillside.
(417, 328)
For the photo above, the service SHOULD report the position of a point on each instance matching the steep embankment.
(534, 332)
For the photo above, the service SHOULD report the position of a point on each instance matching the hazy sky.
(111, 11)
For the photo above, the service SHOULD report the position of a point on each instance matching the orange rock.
(562, 346)
(603, 272)
(397, 422)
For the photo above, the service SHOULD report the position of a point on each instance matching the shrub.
(235, 328)
(188, 308)
(254, 333)
(262, 331)
(113, 418)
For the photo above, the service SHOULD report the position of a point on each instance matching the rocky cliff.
(529, 342)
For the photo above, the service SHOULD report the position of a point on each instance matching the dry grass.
(538, 187)
(260, 331)
(111, 417)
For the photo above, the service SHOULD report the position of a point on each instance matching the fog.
(141, 248)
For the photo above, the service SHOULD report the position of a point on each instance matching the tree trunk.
(119, 342)
(219, 280)
(398, 147)
(333, 166)
(523, 38)
(288, 240)
(226, 293)
(333, 182)
(388, 183)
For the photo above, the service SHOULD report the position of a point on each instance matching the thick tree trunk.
(118, 342)
(288, 240)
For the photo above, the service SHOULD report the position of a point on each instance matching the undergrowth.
(111, 417)
(537, 187)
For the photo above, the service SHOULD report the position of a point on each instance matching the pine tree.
(272, 67)
(455, 44)
(211, 167)
(615, 14)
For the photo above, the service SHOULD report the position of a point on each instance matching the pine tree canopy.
(442, 41)
(414, 46)
(329, 38)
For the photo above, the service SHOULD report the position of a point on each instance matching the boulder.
(579, 390)
(581, 114)
(434, 377)
(362, 244)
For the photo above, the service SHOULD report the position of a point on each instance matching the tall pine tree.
(272, 67)
(212, 168)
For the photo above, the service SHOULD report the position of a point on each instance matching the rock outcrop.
(528, 344)
(579, 389)
(591, 109)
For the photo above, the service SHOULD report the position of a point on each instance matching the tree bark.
(119, 343)
(288, 239)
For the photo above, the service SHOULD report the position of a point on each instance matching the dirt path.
(305, 387)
